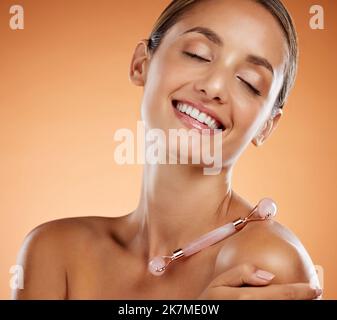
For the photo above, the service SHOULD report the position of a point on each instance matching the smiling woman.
(208, 64)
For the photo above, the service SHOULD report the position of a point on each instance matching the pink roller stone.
(266, 208)
(209, 239)
(155, 264)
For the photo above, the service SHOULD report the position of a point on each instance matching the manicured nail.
(319, 292)
(264, 275)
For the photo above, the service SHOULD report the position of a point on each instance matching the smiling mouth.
(205, 120)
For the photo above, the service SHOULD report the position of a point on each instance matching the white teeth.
(202, 116)
(196, 114)
(188, 110)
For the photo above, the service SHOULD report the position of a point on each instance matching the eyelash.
(248, 85)
(195, 56)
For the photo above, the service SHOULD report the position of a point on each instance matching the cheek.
(156, 97)
(245, 122)
(245, 116)
(165, 76)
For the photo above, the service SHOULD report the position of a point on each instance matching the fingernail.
(319, 292)
(264, 275)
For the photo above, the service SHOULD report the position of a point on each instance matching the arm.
(246, 282)
(263, 246)
(271, 247)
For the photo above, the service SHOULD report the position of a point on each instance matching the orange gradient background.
(64, 91)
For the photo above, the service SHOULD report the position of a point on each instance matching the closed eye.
(250, 87)
(195, 56)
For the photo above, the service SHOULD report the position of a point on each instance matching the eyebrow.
(259, 61)
(215, 38)
(208, 33)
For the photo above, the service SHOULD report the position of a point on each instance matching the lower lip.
(191, 123)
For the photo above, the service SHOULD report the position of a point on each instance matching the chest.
(124, 277)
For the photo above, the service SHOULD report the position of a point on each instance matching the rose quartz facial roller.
(265, 209)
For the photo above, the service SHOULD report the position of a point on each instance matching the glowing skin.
(219, 84)
(107, 258)
(265, 209)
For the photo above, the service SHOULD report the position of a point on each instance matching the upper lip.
(202, 108)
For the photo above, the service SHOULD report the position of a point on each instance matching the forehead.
(244, 26)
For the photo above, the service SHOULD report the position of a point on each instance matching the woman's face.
(225, 58)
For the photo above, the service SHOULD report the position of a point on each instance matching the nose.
(212, 87)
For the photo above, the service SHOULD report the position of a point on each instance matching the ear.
(268, 128)
(138, 66)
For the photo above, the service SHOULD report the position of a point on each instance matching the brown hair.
(177, 8)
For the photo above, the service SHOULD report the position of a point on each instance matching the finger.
(242, 275)
(294, 291)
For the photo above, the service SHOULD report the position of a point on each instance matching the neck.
(178, 204)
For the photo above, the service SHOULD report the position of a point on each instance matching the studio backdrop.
(65, 91)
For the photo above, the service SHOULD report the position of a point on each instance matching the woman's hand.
(245, 282)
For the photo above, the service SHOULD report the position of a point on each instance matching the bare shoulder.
(50, 249)
(272, 247)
